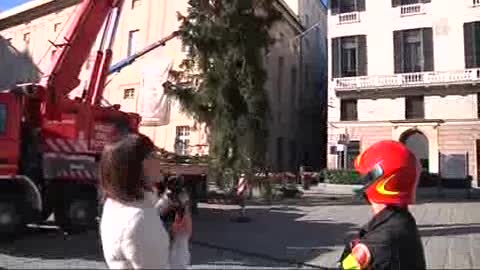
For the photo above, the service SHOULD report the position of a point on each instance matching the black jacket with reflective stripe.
(393, 240)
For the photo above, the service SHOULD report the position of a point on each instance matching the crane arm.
(63, 74)
(129, 60)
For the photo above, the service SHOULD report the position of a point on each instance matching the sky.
(7, 4)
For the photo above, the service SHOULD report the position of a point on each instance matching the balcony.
(475, 3)
(351, 17)
(413, 9)
(408, 80)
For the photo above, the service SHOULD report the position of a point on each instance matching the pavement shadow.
(279, 234)
(449, 229)
(51, 243)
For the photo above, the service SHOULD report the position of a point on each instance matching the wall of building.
(451, 134)
(155, 20)
(436, 107)
(312, 134)
(380, 20)
(25, 50)
(384, 109)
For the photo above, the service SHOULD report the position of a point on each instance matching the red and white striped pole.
(242, 187)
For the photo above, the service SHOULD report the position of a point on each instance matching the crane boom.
(129, 60)
(63, 73)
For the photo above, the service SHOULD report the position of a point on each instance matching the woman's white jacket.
(134, 237)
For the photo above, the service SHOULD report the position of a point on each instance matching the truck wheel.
(10, 218)
(76, 214)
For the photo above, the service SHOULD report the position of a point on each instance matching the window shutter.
(361, 5)
(335, 6)
(469, 44)
(362, 55)
(398, 51)
(336, 58)
(428, 54)
(396, 3)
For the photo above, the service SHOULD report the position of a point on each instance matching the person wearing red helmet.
(390, 240)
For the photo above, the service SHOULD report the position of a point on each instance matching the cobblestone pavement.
(49, 249)
(310, 231)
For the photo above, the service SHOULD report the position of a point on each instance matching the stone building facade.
(406, 70)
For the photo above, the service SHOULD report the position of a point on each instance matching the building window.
(346, 158)
(396, 3)
(26, 40)
(56, 27)
(281, 63)
(26, 37)
(293, 84)
(349, 56)
(135, 3)
(478, 105)
(346, 6)
(413, 50)
(182, 140)
(280, 153)
(348, 110)
(53, 54)
(471, 35)
(132, 42)
(129, 93)
(414, 107)
(3, 118)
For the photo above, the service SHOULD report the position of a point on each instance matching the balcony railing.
(408, 80)
(413, 9)
(351, 17)
(476, 3)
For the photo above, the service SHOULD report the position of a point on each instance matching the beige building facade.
(406, 70)
(25, 50)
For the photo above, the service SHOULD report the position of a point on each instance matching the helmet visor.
(374, 174)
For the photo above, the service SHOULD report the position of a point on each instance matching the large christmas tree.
(222, 81)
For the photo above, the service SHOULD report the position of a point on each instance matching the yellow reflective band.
(350, 263)
(381, 187)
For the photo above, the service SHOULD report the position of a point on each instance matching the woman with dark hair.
(133, 236)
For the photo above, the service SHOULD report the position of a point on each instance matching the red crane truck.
(50, 143)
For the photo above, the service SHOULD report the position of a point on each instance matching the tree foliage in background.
(222, 81)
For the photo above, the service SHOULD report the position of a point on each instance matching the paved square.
(310, 231)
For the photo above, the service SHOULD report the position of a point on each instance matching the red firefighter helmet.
(391, 171)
